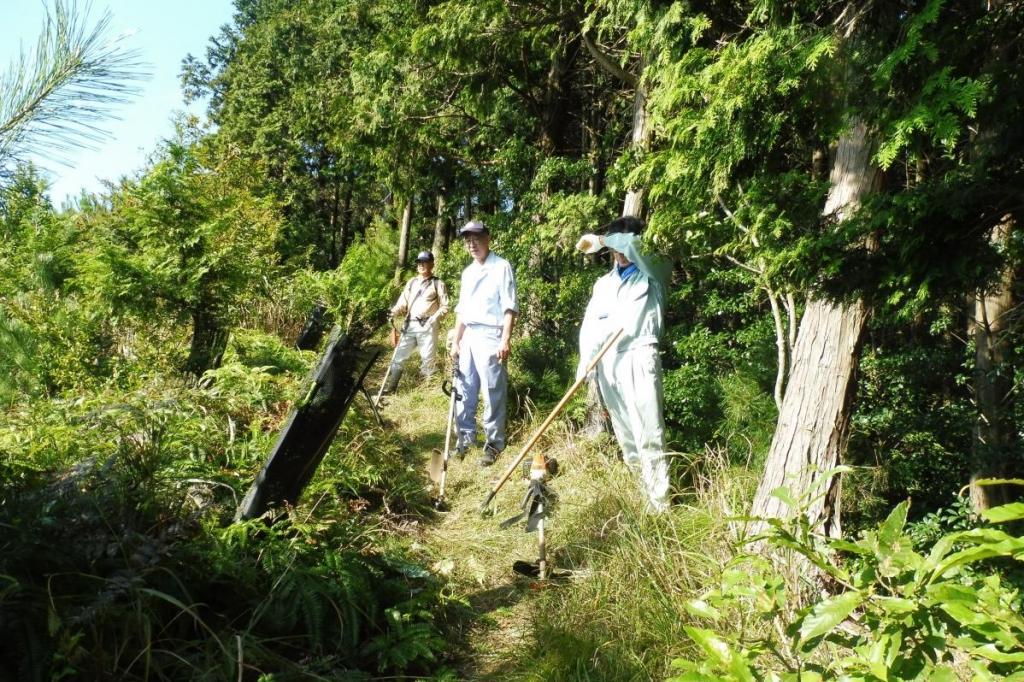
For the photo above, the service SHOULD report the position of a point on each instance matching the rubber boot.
(394, 376)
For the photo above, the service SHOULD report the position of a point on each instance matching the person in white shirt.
(423, 301)
(631, 296)
(485, 315)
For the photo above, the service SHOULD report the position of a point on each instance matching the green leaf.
(988, 543)
(701, 609)
(990, 652)
(892, 528)
(811, 554)
(828, 614)
(875, 655)
(825, 477)
(895, 605)
(784, 495)
(720, 652)
(942, 673)
(847, 546)
(1006, 512)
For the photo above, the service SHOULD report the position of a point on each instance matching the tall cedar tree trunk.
(814, 421)
(346, 222)
(634, 202)
(994, 433)
(557, 92)
(990, 324)
(440, 227)
(403, 239)
(209, 339)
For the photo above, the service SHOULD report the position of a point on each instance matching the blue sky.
(163, 33)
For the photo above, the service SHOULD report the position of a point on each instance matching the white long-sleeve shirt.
(487, 291)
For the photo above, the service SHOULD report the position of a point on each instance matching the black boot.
(394, 376)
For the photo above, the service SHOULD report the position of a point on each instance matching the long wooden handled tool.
(551, 417)
(438, 468)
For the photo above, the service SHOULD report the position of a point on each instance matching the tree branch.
(606, 62)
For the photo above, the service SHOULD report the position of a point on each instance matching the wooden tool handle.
(551, 417)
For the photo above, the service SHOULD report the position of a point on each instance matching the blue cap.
(425, 256)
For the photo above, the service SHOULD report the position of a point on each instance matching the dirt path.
(493, 630)
(471, 550)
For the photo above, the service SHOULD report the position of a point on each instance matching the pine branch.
(55, 98)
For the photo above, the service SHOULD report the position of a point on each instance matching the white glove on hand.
(589, 243)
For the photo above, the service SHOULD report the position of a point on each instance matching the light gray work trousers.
(482, 374)
(630, 384)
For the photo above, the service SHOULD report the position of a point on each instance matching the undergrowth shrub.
(748, 419)
(910, 430)
(891, 612)
(693, 407)
(624, 619)
(117, 563)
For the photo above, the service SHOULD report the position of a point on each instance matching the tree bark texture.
(782, 350)
(209, 340)
(994, 432)
(403, 239)
(814, 421)
(440, 227)
(634, 202)
(556, 94)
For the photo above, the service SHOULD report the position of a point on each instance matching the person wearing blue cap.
(485, 315)
(423, 301)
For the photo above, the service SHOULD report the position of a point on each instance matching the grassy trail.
(468, 548)
(618, 617)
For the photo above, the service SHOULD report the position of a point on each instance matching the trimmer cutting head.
(531, 569)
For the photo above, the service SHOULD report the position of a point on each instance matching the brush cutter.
(535, 508)
(547, 422)
(438, 462)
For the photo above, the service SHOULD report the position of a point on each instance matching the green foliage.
(911, 427)
(895, 613)
(719, 365)
(125, 551)
(748, 419)
(693, 407)
(184, 237)
(330, 115)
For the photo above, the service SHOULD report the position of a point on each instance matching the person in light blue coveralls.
(630, 296)
(485, 315)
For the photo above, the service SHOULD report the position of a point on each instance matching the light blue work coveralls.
(488, 289)
(629, 374)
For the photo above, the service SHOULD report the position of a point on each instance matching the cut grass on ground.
(619, 616)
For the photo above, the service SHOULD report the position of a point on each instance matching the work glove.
(589, 243)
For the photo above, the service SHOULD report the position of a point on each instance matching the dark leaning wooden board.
(310, 428)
